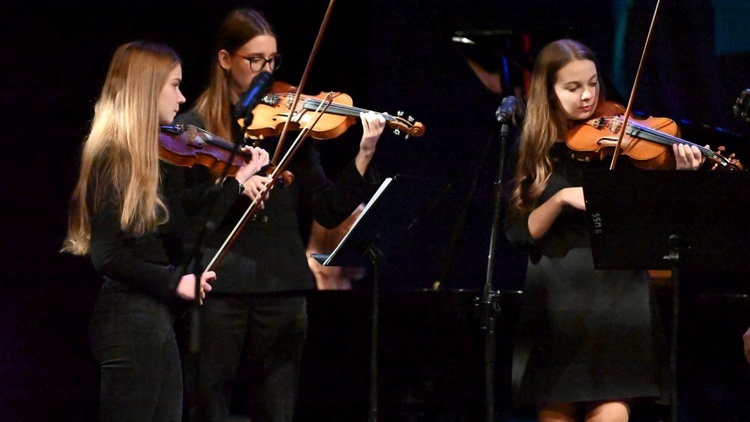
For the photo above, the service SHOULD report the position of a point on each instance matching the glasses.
(257, 63)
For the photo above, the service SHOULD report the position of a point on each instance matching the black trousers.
(263, 337)
(132, 337)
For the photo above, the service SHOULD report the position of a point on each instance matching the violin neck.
(207, 136)
(644, 132)
(342, 110)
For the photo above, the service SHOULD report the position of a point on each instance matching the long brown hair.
(214, 104)
(120, 157)
(544, 122)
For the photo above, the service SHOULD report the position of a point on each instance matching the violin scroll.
(285, 178)
(728, 163)
(406, 126)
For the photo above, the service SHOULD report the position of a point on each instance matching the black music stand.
(664, 219)
(384, 222)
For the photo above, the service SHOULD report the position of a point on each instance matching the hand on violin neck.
(688, 157)
(258, 159)
(373, 125)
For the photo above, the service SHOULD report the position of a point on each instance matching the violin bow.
(278, 169)
(302, 82)
(629, 107)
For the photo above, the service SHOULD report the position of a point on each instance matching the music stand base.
(674, 258)
(375, 256)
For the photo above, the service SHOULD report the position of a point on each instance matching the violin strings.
(666, 138)
(341, 109)
(635, 129)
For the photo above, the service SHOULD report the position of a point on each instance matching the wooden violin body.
(338, 114)
(188, 145)
(647, 143)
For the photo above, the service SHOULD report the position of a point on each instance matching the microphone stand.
(489, 304)
(206, 229)
(259, 86)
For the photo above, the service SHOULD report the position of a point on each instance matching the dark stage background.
(388, 55)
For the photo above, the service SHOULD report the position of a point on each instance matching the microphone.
(259, 87)
(507, 110)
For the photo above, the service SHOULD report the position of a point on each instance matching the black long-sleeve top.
(143, 263)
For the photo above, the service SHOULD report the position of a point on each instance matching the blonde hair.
(214, 104)
(119, 166)
(544, 122)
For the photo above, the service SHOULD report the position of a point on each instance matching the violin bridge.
(614, 124)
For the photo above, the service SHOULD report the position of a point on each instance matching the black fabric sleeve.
(333, 201)
(123, 258)
(334, 205)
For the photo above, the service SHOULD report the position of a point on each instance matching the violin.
(338, 114)
(188, 145)
(647, 143)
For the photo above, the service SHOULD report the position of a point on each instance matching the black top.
(583, 334)
(269, 254)
(143, 263)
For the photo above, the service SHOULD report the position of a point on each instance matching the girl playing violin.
(250, 322)
(589, 341)
(126, 214)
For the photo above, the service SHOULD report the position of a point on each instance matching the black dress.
(583, 334)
